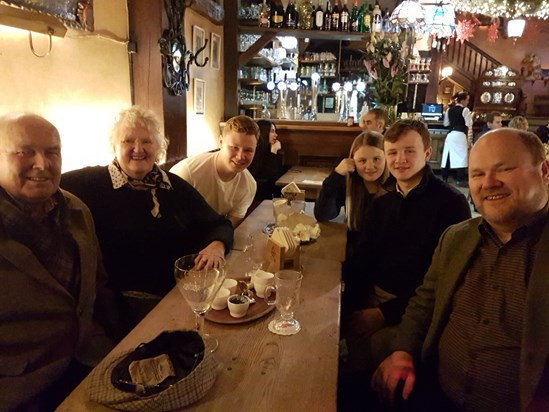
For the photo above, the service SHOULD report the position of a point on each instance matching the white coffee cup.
(261, 281)
(238, 305)
(220, 300)
(231, 285)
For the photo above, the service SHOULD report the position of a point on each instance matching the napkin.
(284, 238)
(292, 192)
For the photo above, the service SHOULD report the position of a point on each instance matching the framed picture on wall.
(215, 52)
(199, 36)
(199, 96)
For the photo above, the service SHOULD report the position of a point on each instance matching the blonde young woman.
(353, 184)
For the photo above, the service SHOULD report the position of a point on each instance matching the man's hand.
(212, 256)
(399, 366)
(345, 167)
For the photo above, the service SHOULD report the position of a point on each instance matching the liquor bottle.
(367, 21)
(319, 17)
(344, 17)
(376, 18)
(336, 16)
(264, 15)
(277, 14)
(305, 11)
(291, 16)
(328, 17)
(386, 21)
(354, 19)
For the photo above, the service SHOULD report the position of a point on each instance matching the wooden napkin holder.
(294, 196)
(276, 260)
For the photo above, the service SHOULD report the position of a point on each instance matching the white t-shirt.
(226, 198)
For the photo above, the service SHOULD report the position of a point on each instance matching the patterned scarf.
(155, 179)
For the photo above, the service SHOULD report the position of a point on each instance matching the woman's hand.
(275, 147)
(397, 367)
(212, 256)
(345, 167)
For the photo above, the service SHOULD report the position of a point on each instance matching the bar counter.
(315, 143)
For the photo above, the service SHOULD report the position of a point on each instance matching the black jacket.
(399, 237)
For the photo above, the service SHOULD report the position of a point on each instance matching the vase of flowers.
(387, 64)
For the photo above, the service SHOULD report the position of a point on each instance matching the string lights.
(504, 8)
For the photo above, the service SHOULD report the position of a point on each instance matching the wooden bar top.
(259, 371)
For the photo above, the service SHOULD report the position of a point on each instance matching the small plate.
(255, 311)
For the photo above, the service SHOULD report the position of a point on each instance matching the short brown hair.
(379, 114)
(402, 126)
(490, 116)
(241, 124)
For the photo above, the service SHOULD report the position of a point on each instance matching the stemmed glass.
(199, 283)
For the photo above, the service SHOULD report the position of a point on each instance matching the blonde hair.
(141, 117)
(519, 122)
(241, 124)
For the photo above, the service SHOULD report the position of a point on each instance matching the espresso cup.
(231, 285)
(220, 299)
(238, 305)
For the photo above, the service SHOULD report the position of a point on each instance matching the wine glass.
(199, 283)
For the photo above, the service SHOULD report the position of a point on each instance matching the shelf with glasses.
(252, 82)
(262, 61)
(304, 34)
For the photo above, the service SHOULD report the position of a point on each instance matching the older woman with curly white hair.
(145, 218)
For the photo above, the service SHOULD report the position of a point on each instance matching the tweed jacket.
(428, 311)
(42, 326)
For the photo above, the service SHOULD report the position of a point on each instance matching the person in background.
(354, 183)
(493, 121)
(222, 176)
(519, 122)
(145, 218)
(267, 165)
(475, 336)
(50, 270)
(454, 154)
(543, 133)
(374, 120)
(401, 230)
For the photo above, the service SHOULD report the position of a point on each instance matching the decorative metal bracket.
(176, 57)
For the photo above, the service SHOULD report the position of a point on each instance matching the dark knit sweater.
(399, 237)
(330, 201)
(139, 250)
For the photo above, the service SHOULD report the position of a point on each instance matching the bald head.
(508, 178)
(30, 158)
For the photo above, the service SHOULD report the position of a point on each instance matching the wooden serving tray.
(255, 311)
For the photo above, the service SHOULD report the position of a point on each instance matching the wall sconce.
(515, 28)
(446, 72)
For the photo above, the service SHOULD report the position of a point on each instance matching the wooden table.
(307, 178)
(330, 245)
(260, 371)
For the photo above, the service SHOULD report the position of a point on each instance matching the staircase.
(468, 63)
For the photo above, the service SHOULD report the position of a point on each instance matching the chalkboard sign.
(76, 14)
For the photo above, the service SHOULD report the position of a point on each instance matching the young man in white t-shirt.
(222, 177)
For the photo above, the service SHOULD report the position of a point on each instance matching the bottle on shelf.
(366, 19)
(306, 11)
(376, 18)
(386, 25)
(328, 17)
(277, 14)
(291, 15)
(318, 20)
(344, 17)
(336, 16)
(264, 15)
(354, 18)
